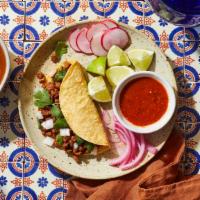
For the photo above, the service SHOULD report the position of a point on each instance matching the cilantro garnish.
(59, 139)
(60, 75)
(55, 111)
(61, 48)
(42, 99)
(60, 123)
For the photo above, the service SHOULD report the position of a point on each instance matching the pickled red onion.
(126, 154)
(135, 149)
(138, 158)
(151, 149)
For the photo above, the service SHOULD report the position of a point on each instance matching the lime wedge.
(97, 66)
(141, 58)
(98, 90)
(117, 73)
(117, 57)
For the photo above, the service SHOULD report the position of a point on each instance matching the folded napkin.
(158, 180)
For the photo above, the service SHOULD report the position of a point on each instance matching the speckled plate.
(94, 167)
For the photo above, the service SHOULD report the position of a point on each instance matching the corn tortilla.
(78, 108)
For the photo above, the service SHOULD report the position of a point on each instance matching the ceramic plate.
(94, 167)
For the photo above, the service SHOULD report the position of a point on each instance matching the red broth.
(143, 101)
(2, 64)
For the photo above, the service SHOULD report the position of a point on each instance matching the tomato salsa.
(143, 101)
(2, 64)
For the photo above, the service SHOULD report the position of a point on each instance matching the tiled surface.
(24, 174)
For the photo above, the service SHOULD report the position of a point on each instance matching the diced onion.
(48, 141)
(64, 132)
(75, 146)
(39, 115)
(48, 124)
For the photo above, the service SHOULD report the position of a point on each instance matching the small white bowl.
(7, 59)
(152, 127)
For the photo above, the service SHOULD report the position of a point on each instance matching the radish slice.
(82, 41)
(95, 28)
(72, 40)
(96, 46)
(126, 154)
(109, 23)
(138, 158)
(115, 36)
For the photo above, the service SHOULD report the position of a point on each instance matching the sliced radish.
(95, 28)
(96, 46)
(73, 38)
(115, 36)
(110, 23)
(82, 41)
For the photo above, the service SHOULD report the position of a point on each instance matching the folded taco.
(69, 119)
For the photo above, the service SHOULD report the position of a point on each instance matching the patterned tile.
(192, 34)
(158, 29)
(8, 105)
(42, 181)
(192, 61)
(80, 10)
(11, 182)
(29, 48)
(30, 153)
(189, 167)
(43, 18)
(16, 49)
(11, 142)
(12, 20)
(127, 12)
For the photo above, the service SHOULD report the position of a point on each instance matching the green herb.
(60, 75)
(61, 48)
(59, 139)
(79, 140)
(60, 123)
(89, 146)
(42, 99)
(55, 111)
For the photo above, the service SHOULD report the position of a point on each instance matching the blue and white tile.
(83, 10)
(190, 164)
(192, 61)
(29, 49)
(11, 180)
(127, 12)
(8, 104)
(42, 180)
(159, 29)
(11, 142)
(15, 49)
(12, 20)
(43, 18)
(192, 34)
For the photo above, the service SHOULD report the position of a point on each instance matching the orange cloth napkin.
(158, 180)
